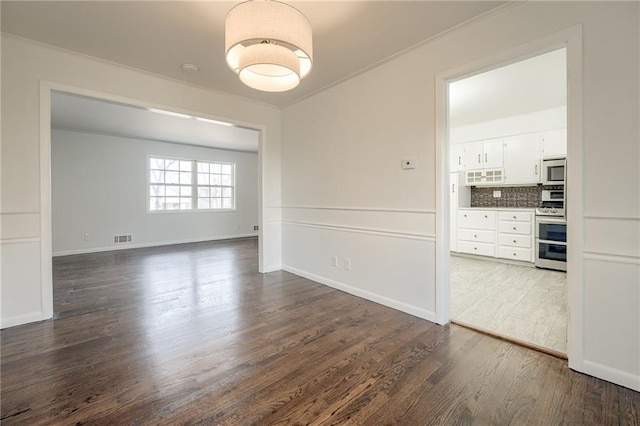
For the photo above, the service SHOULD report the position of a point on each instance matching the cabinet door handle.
(485, 216)
(514, 254)
(453, 187)
(485, 158)
(475, 236)
(479, 161)
(514, 228)
(459, 160)
(514, 241)
(465, 215)
(536, 166)
(515, 217)
(475, 248)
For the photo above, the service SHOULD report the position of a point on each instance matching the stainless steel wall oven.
(551, 243)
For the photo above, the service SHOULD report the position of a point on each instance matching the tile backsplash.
(518, 196)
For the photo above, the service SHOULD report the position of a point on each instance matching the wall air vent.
(121, 239)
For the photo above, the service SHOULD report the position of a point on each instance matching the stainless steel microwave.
(554, 171)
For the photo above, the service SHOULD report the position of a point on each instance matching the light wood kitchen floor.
(516, 301)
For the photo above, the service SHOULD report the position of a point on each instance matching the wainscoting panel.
(21, 303)
(385, 264)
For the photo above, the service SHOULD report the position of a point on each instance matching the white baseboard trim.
(21, 319)
(373, 297)
(272, 268)
(619, 377)
(126, 246)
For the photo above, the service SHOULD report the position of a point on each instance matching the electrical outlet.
(334, 261)
(347, 263)
(256, 227)
(87, 237)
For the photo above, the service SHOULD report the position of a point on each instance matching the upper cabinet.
(522, 159)
(482, 154)
(513, 160)
(456, 161)
(554, 143)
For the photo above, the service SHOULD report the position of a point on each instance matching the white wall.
(539, 121)
(341, 172)
(99, 188)
(25, 65)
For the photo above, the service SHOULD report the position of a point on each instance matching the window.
(179, 185)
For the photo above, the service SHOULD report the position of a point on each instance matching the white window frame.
(194, 186)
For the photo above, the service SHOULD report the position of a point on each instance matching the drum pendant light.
(268, 44)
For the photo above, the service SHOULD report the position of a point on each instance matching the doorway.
(505, 125)
(47, 92)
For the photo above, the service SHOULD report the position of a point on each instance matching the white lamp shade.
(269, 67)
(263, 24)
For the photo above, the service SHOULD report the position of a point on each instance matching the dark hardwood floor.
(194, 334)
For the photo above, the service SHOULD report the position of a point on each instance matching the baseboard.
(21, 319)
(272, 268)
(613, 375)
(373, 297)
(126, 246)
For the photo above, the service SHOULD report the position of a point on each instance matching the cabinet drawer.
(514, 227)
(515, 240)
(477, 219)
(474, 235)
(515, 253)
(516, 215)
(482, 249)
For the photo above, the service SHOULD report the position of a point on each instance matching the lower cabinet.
(506, 234)
(515, 235)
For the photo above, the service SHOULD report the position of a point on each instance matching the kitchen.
(508, 159)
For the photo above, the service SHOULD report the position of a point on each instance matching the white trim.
(363, 209)
(21, 240)
(18, 212)
(127, 246)
(373, 297)
(46, 228)
(612, 375)
(571, 39)
(272, 268)
(370, 231)
(611, 257)
(603, 217)
(22, 319)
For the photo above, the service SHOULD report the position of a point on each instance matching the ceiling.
(160, 36)
(96, 116)
(534, 84)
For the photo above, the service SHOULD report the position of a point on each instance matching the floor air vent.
(122, 238)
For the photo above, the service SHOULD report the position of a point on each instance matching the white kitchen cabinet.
(472, 155)
(456, 162)
(506, 234)
(483, 154)
(492, 154)
(477, 232)
(522, 160)
(477, 219)
(484, 177)
(554, 144)
(459, 196)
(515, 235)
